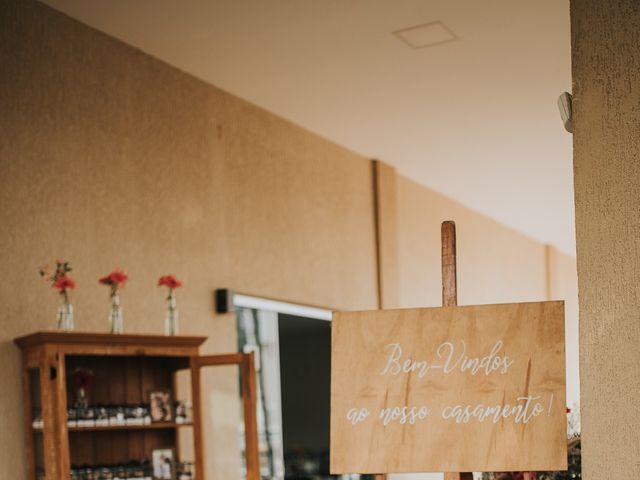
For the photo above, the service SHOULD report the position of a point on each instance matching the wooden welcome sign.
(453, 389)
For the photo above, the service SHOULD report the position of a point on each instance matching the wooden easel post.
(450, 294)
(450, 299)
(449, 276)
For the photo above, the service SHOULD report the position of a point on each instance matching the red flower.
(82, 378)
(169, 281)
(59, 277)
(118, 277)
(63, 283)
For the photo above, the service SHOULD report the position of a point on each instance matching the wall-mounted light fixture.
(566, 110)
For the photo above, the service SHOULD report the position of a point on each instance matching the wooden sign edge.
(337, 314)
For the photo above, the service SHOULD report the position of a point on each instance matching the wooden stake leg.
(450, 294)
(449, 274)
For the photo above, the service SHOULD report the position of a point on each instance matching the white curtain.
(258, 332)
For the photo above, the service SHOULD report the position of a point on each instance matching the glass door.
(221, 423)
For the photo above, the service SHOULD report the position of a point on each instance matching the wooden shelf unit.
(126, 368)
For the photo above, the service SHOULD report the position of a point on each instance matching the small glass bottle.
(65, 315)
(171, 320)
(115, 315)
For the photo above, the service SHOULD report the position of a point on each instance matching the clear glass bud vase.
(115, 315)
(171, 320)
(65, 316)
(82, 400)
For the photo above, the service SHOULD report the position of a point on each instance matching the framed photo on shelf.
(164, 464)
(160, 406)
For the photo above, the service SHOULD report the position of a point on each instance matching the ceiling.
(474, 118)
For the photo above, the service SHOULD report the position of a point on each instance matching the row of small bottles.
(114, 415)
(140, 470)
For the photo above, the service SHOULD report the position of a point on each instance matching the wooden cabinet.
(125, 369)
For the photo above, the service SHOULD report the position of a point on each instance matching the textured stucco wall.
(495, 263)
(109, 157)
(606, 92)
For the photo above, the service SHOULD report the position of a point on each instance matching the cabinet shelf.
(102, 428)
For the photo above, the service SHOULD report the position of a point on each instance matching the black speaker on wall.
(224, 300)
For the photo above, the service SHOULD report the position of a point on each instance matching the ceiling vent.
(425, 35)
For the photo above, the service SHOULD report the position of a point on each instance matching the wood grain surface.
(371, 350)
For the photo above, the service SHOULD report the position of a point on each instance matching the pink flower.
(118, 278)
(169, 281)
(64, 283)
(58, 277)
(45, 271)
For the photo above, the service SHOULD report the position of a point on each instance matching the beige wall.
(109, 157)
(606, 92)
(495, 263)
